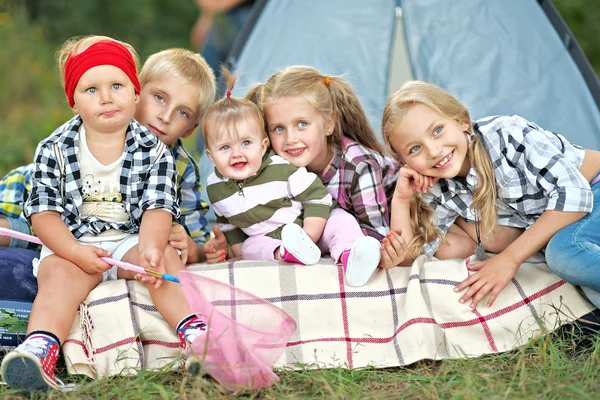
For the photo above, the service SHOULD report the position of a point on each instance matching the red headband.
(106, 52)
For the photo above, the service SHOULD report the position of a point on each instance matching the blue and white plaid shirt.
(193, 208)
(146, 182)
(536, 170)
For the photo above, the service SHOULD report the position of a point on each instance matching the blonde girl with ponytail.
(316, 121)
(501, 184)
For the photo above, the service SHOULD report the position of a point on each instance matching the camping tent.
(498, 57)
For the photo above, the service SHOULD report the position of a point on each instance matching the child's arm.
(53, 232)
(369, 200)
(159, 206)
(308, 188)
(494, 274)
(154, 234)
(543, 166)
(43, 207)
(409, 183)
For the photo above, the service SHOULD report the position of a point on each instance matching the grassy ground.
(560, 366)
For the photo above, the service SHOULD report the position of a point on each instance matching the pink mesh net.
(246, 334)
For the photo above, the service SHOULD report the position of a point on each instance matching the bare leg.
(457, 244)
(4, 240)
(169, 298)
(496, 242)
(62, 286)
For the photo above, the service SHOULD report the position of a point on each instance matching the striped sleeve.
(307, 188)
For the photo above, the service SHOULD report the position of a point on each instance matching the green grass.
(560, 366)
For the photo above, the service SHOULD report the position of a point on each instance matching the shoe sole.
(299, 244)
(363, 261)
(24, 371)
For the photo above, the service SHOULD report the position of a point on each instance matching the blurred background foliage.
(32, 103)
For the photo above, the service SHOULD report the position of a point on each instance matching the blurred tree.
(582, 16)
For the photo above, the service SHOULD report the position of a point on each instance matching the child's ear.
(264, 145)
(190, 131)
(137, 98)
(209, 155)
(465, 126)
(330, 125)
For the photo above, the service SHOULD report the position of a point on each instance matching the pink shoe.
(31, 365)
(297, 247)
(361, 260)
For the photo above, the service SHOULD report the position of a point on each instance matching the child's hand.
(178, 238)
(492, 276)
(410, 182)
(393, 250)
(216, 248)
(88, 259)
(151, 258)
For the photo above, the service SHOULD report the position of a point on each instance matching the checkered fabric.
(193, 208)
(401, 316)
(535, 169)
(145, 181)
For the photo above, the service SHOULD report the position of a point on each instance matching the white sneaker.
(297, 246)
(361, 260)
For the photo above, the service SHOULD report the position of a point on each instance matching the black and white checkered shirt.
(536, 170)
(145, 181)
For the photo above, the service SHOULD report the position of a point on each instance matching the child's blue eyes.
(438, 130)
(114, 86)
(246, 143)
(414, 148)
(183, 112)
(225, 147)
(302, 124)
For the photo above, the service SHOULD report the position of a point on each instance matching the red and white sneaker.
(361, 260)
(188, 332)
(31, 365)
(297, 247)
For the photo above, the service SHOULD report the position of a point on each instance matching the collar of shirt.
(136, 135)
(266, 160)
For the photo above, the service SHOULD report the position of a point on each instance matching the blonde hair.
(327, 94)
(79, 44)
(443, 103)
(227, 112)
(189, 67)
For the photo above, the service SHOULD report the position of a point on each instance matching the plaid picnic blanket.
(401, 316)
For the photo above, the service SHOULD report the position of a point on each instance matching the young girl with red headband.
(102, 186)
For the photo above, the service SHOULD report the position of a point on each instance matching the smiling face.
(299, 133)
(237, 150)
(431, 144)
(168, 108)
(105, 99)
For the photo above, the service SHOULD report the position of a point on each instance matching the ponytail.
(226, 112)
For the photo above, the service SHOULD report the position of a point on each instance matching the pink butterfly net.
(246, 334)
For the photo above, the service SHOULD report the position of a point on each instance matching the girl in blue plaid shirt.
(501, 184)
(102, 186)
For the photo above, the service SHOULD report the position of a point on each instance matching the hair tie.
(105, 52)
(327, 79)
(228, 95)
